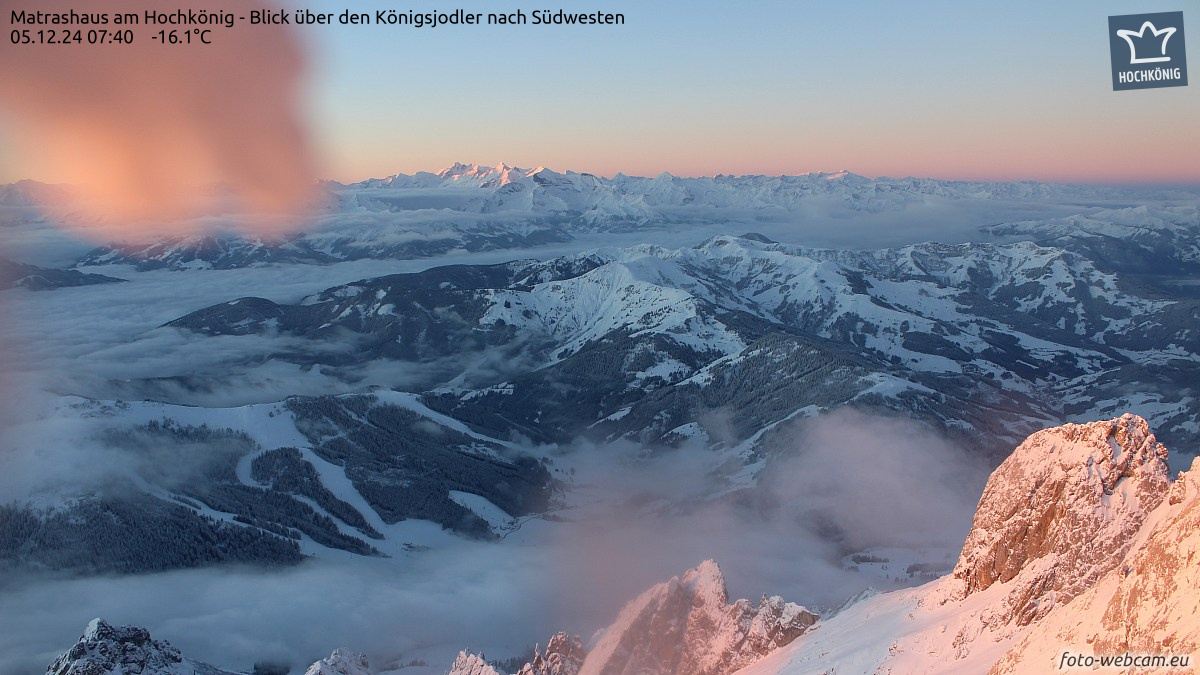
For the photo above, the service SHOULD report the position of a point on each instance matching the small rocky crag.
(125, 650)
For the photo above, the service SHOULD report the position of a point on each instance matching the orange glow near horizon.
(1093, 135)
(140, 124)
(1022, 150)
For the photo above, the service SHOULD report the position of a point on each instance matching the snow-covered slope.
(329, 476)
(1078, 546)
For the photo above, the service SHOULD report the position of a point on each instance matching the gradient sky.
(969, 90)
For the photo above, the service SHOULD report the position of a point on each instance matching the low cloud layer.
(848, 481)
(843, 482)
(396, 611)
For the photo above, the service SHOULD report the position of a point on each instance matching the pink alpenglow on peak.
(686, 625)
(564, 655)
(1061, 511)
(471, 664)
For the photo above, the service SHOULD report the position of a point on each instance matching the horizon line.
(834, 174)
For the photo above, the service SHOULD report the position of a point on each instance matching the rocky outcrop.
(1081, 548)
(1061, 512)
(124, 650)
(1154, 609)
(1146, 606)
(564, 655)
(471, 664)
(340, 663)
(686, 625)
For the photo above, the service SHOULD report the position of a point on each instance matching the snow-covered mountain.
(340, 663)
(34, 278)
(720, 348)
(563, 655)
(1144, 606)
(684, 625)
(596, 200)
(1152, 239)
(475, 208)
(335, 238)
(397, 418)
(687, 625)
(271, 483)
(471, 664)
(1052, 544)
(970, 337)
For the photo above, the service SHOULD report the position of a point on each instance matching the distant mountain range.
(473, 208)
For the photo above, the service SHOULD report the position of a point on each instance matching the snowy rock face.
(340, 663)
(124, 650)
(563, 656)
(1145, 605)
(1061, 512)
(471, 664)
(1080, 547)
(1155, 609)
(687, 626)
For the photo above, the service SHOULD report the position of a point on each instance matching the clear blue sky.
(952, 89)
(958, 89)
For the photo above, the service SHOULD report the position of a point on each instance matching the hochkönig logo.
(1147, 50)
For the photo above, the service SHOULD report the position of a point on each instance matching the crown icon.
(1128, 36)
